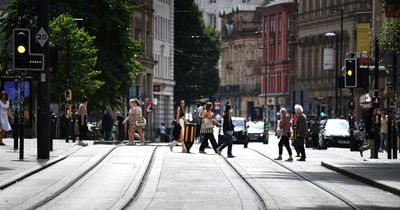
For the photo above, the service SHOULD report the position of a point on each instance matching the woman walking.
(207, 129)
(284, 125)
(180, 122)
(5, 112)
(134, 113)
(227, 128)
(301, 131)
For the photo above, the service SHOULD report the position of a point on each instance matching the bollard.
(190, 135)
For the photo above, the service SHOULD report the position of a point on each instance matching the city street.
(151, 177)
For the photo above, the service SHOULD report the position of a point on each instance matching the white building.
(163, 72)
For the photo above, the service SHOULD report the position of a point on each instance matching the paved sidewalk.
(13, 169)
(382, 173)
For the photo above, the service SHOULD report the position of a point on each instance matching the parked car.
(336, 133)
(240, 132)
(256, 131)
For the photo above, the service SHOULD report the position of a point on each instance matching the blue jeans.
(228, 142)
(383, 138)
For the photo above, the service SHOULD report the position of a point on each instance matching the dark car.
(240, 131)
(336, 133)
(256, 131)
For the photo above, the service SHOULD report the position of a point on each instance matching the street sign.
(42, 37)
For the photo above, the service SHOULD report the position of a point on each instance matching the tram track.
(309, 180)
(132, 188)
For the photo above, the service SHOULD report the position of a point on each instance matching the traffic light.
(351, 73)
(68, 101)
(23, 58)
(351, 104)
(376, 102)
(351, 120)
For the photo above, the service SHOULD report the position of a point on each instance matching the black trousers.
(302, 151)
(121, 131)
(208, 136)
(314, 138)
(82, 132)
(284, 141)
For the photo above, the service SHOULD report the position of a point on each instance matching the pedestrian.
(207, 129)
(197, 119)
(120, 126)
(293, 137)
(284, 127)
(134, 113)
(227, 129)
(107, 124)
(163, 133)
(370, 132)
(5, 112)
(314, 130)
(179, 128)
(383, 132)
(300, 131)
(82, 120)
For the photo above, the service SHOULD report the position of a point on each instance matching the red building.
(278, 57)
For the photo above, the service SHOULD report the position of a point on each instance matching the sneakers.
(231, 156)
(301, 159)
(202, 152)
(278, 158)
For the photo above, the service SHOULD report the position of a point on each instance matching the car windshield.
(337, 124)
(238, 123)
(258, 125)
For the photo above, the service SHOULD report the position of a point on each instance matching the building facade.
(163, 72)
(317, 86)
(278, 55)
(241, 59)
(142, 87)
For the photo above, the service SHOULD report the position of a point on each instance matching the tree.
(389, 39)
(109, 21)
(196, 54)
(83, 76)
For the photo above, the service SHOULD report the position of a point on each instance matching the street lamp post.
(331, 34)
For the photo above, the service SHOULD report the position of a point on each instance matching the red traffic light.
(351, 105)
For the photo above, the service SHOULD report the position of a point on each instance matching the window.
(245, 1)
(213, 1)
(250, 55)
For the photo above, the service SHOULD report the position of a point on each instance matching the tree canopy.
(108, 26)
(196, 54)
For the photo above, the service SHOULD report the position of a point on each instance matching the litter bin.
(190, 135)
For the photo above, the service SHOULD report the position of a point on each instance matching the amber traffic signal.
(351, 73)
(23, 58)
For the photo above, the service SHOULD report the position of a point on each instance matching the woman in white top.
(134, 113)
(5, 111)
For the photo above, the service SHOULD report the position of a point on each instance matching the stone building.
(163, 73)
(278, 55)
(241, 59)
(315, 80)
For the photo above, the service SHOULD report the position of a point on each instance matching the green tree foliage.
(196, 54)
(389, 39)
(64, 31)
(109, 21)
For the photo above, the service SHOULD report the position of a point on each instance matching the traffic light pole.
(376, 96)
(67, 96)
(21, 117)
(43, 123)
(15, 130)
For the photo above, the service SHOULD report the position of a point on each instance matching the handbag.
(141, 121)
(207, 123)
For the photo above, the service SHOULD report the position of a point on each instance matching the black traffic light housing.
(351, 105)
(350, 78)
(376, 101)
(23, 58)
(351, 120)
